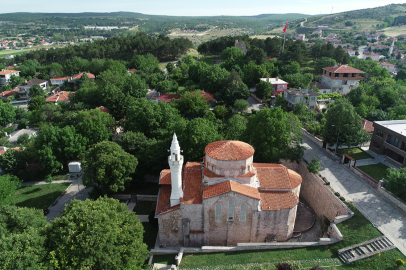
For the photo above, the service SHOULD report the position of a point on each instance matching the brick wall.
(371, 181)
(316, 194)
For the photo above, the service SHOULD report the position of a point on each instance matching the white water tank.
(75, 167)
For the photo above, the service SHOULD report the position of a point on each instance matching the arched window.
(213, 169)
(218, 212)
(243, 212)
(231, 209)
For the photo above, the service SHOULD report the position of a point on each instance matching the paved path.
(76, 191)
(253, 104)
(378, 210)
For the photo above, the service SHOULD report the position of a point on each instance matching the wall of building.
(170, 229)
(317, 195)
(278, 224)
(231, 168)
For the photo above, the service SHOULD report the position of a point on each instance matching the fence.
(312, 138)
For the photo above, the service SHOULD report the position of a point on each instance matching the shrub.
(23, 139)
(400, 262)
(314, 166)
(295, 265)
(283, 266)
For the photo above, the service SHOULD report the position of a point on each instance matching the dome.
(229, 150)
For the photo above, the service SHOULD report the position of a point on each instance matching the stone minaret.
(175, 161)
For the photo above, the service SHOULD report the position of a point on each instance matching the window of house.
(231, 209)
(353, 75)
(218, 212)
(376, 144)
(243, 212)
(325, 72)
(345, 75)
(379, 133)
(311, 107)
(393, 140)
(329, 74)
(403, 146)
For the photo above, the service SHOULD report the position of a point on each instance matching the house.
(388, 66)
(279, 86)
(366, 32)
(322, 88)
(403, 36)
(103, 109)
(332, 35)
(373, 56)
(25, 87)
(318, 32)
(5, 75)
(308, 96)
(301, 37)
(388, 139)
(10, 56)
(7, 94)
(13, 137)
(60, 96)
(59, 80)
(228, 199)
(341, 78)
(168, 97)
(380, 47)
(357, 36)
(350, 52)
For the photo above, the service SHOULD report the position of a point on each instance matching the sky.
(192, 7)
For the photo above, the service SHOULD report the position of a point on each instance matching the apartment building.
(341, 79)
(308, 96)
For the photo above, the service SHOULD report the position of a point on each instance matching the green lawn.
(40, 196)
(150, 233)
(376, 171)
(143, 208)
(355, 153)
(355, 230)
(164, 259)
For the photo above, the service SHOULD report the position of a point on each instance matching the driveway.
(382, 213)
(253, 104)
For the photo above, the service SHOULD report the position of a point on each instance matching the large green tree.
(107, 168)
(397, 182)
(274, 134)
(342, 121)
(13, 161)
(8, 187)
(263, 90)
(36, 91)
(7, 113)
(100, 234)
(191, 104)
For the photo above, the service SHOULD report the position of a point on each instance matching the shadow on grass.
(30, 191)
(40, 202)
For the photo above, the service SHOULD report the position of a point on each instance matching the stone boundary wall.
(147, 198)
(257, 98)
(393, 198)
(368, 179)
(121, 196)
(317, 194)
(312, 137)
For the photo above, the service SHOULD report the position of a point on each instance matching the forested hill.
(146, 23)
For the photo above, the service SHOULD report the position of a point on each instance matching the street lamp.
(338, 136)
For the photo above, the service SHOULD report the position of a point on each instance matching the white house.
(24, 88)
(388, 66)
(350, 52)
(5, 75)
(373, 55)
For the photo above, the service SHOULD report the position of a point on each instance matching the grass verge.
(355, 230)
(355, 153)
(376, 171)
(40, 196)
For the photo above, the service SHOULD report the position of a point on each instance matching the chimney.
(277, 78)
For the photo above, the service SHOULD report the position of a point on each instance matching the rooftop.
(6, 71)
(59, 96)
(229, 150)
(168, 97)
(277, 177)
(343, 69)
(273, 80)
(276, 200)
(32, 82)
(398, 126)
(385, 64)
(299, 92)
(228, 186)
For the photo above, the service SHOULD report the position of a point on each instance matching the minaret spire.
(175, 161)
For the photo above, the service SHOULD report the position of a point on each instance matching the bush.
(400, 262)
(23, 139)
(314, 166)
(283, 266)
(295, 265)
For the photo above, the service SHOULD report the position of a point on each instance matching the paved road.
(253, 104)
(361, 50)
(378, 210)
(76, 191)
(302, 23)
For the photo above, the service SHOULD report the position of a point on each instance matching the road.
(382, 213)
(361, 50)
(302, 23)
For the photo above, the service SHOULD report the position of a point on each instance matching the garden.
(355, 153)
(376, 171)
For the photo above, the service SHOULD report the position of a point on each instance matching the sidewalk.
(384, 215)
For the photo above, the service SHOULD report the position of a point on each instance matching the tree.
(280, 101)
(241, 105)
(298, 80)
(349, 23)
(36, 90)
(378, 115)
(232, 56)
(257, 55)
(343, 122)
(7, 113)
(323, 63)
(75, 65)
(22, 238)
(191, 104)
(396, 182)
(15, 80)
(170, 66)
(398, 113)
(13, 161)
(263, 90)
(274, 134)
(8, 187)
(107, 168)
(220, 111)
(23, 139)
(314, 166)
(235, 127)
(36, 103)
(100, 234)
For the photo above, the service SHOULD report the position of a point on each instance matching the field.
(40, 196)
(213, 33)
(3, 54)
(395, 31)
(376, 171)
(355, 230)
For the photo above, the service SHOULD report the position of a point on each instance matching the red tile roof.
(228, 186)
(59, 96)
(343, 69)
(2, 152)
(165, 177)
(229, 150)
(59, 78)
(208, 96)
(103, 109)
(164, 201)
(168, 97)
(132, 70)
(368, 126)
(6, 71)
(371, 54)
(9, 93)
(386, 64)
(248, 174)
(274, 200)
(277, 177)
(192, 183)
